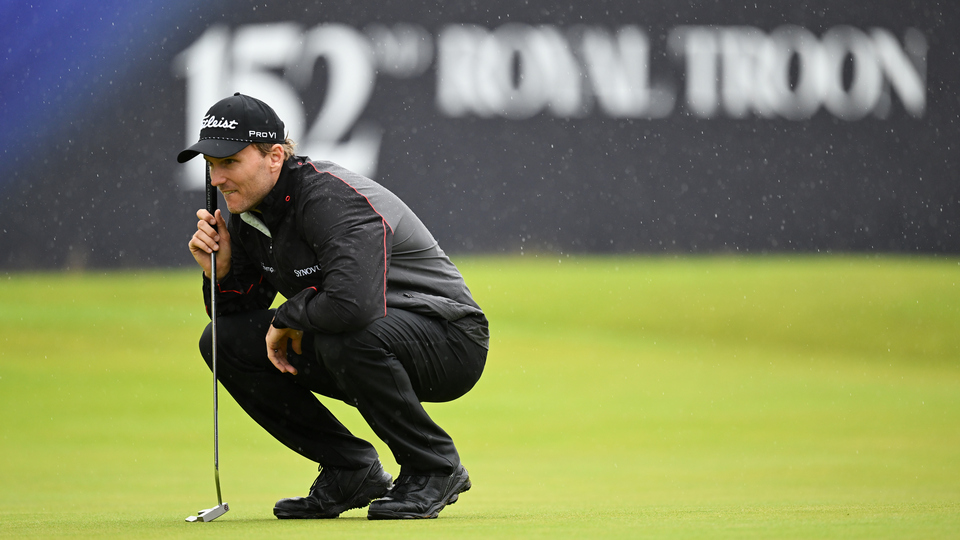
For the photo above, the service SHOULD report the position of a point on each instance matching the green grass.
(654, 397)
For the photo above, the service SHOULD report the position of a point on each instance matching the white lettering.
(840, 44)
(778, 92)
(905, 67)
(739, 65)
(520, 70)
(517, 71)
(204, 67)
(263, 134)
(698, 45)
(619, 73)
(275, 62)
(790, 73)
(212, 122)
(338, 134)
(456, 87)
(403, 51)
(307, 271)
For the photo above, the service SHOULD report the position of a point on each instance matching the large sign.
(627, 129)
(518, 71)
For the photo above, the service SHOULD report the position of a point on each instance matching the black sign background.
(100, 189)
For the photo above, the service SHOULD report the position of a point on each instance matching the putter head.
(209, 514)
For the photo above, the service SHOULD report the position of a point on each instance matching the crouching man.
(376, 316)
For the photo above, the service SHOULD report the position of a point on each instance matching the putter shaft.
(216, 415)
(211, 514)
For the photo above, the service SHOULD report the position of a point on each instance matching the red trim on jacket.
(383, 221)
(250, 288)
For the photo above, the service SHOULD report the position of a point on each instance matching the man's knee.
(240, 339)
(206, 344)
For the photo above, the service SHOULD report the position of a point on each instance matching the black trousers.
(385, 370)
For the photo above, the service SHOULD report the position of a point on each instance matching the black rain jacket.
(341, 249)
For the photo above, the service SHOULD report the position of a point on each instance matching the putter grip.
(211, 194)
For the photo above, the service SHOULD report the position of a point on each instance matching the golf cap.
(232, 124)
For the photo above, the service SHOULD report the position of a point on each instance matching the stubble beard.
(259, 186)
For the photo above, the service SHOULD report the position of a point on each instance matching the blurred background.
(784, 395)
(603, 127)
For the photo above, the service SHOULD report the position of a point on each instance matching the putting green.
(720, 397)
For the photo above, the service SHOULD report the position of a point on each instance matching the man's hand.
(207, 240)
(277, 347)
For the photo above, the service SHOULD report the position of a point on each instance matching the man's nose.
(216, 177)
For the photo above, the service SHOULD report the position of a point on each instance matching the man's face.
(246, 177)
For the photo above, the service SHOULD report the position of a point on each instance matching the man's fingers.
(278, 357)
(203, 242)
(201, 252)
(277, 349)
(206, 238)
(295, 340)
(204, 215)
(223, 234)
(207, 229)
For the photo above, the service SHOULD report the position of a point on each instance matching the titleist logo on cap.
(211, 121)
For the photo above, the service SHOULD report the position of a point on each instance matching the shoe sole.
(464, 485)
(360, 500)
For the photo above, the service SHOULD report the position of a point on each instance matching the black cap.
(232, 124)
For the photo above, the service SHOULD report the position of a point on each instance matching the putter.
(221, 508)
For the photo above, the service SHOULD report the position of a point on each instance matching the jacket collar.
(278, 201)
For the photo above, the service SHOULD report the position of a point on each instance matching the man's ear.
(276, 156)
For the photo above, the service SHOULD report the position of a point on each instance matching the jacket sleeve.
(243, 288)
(352, 244)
